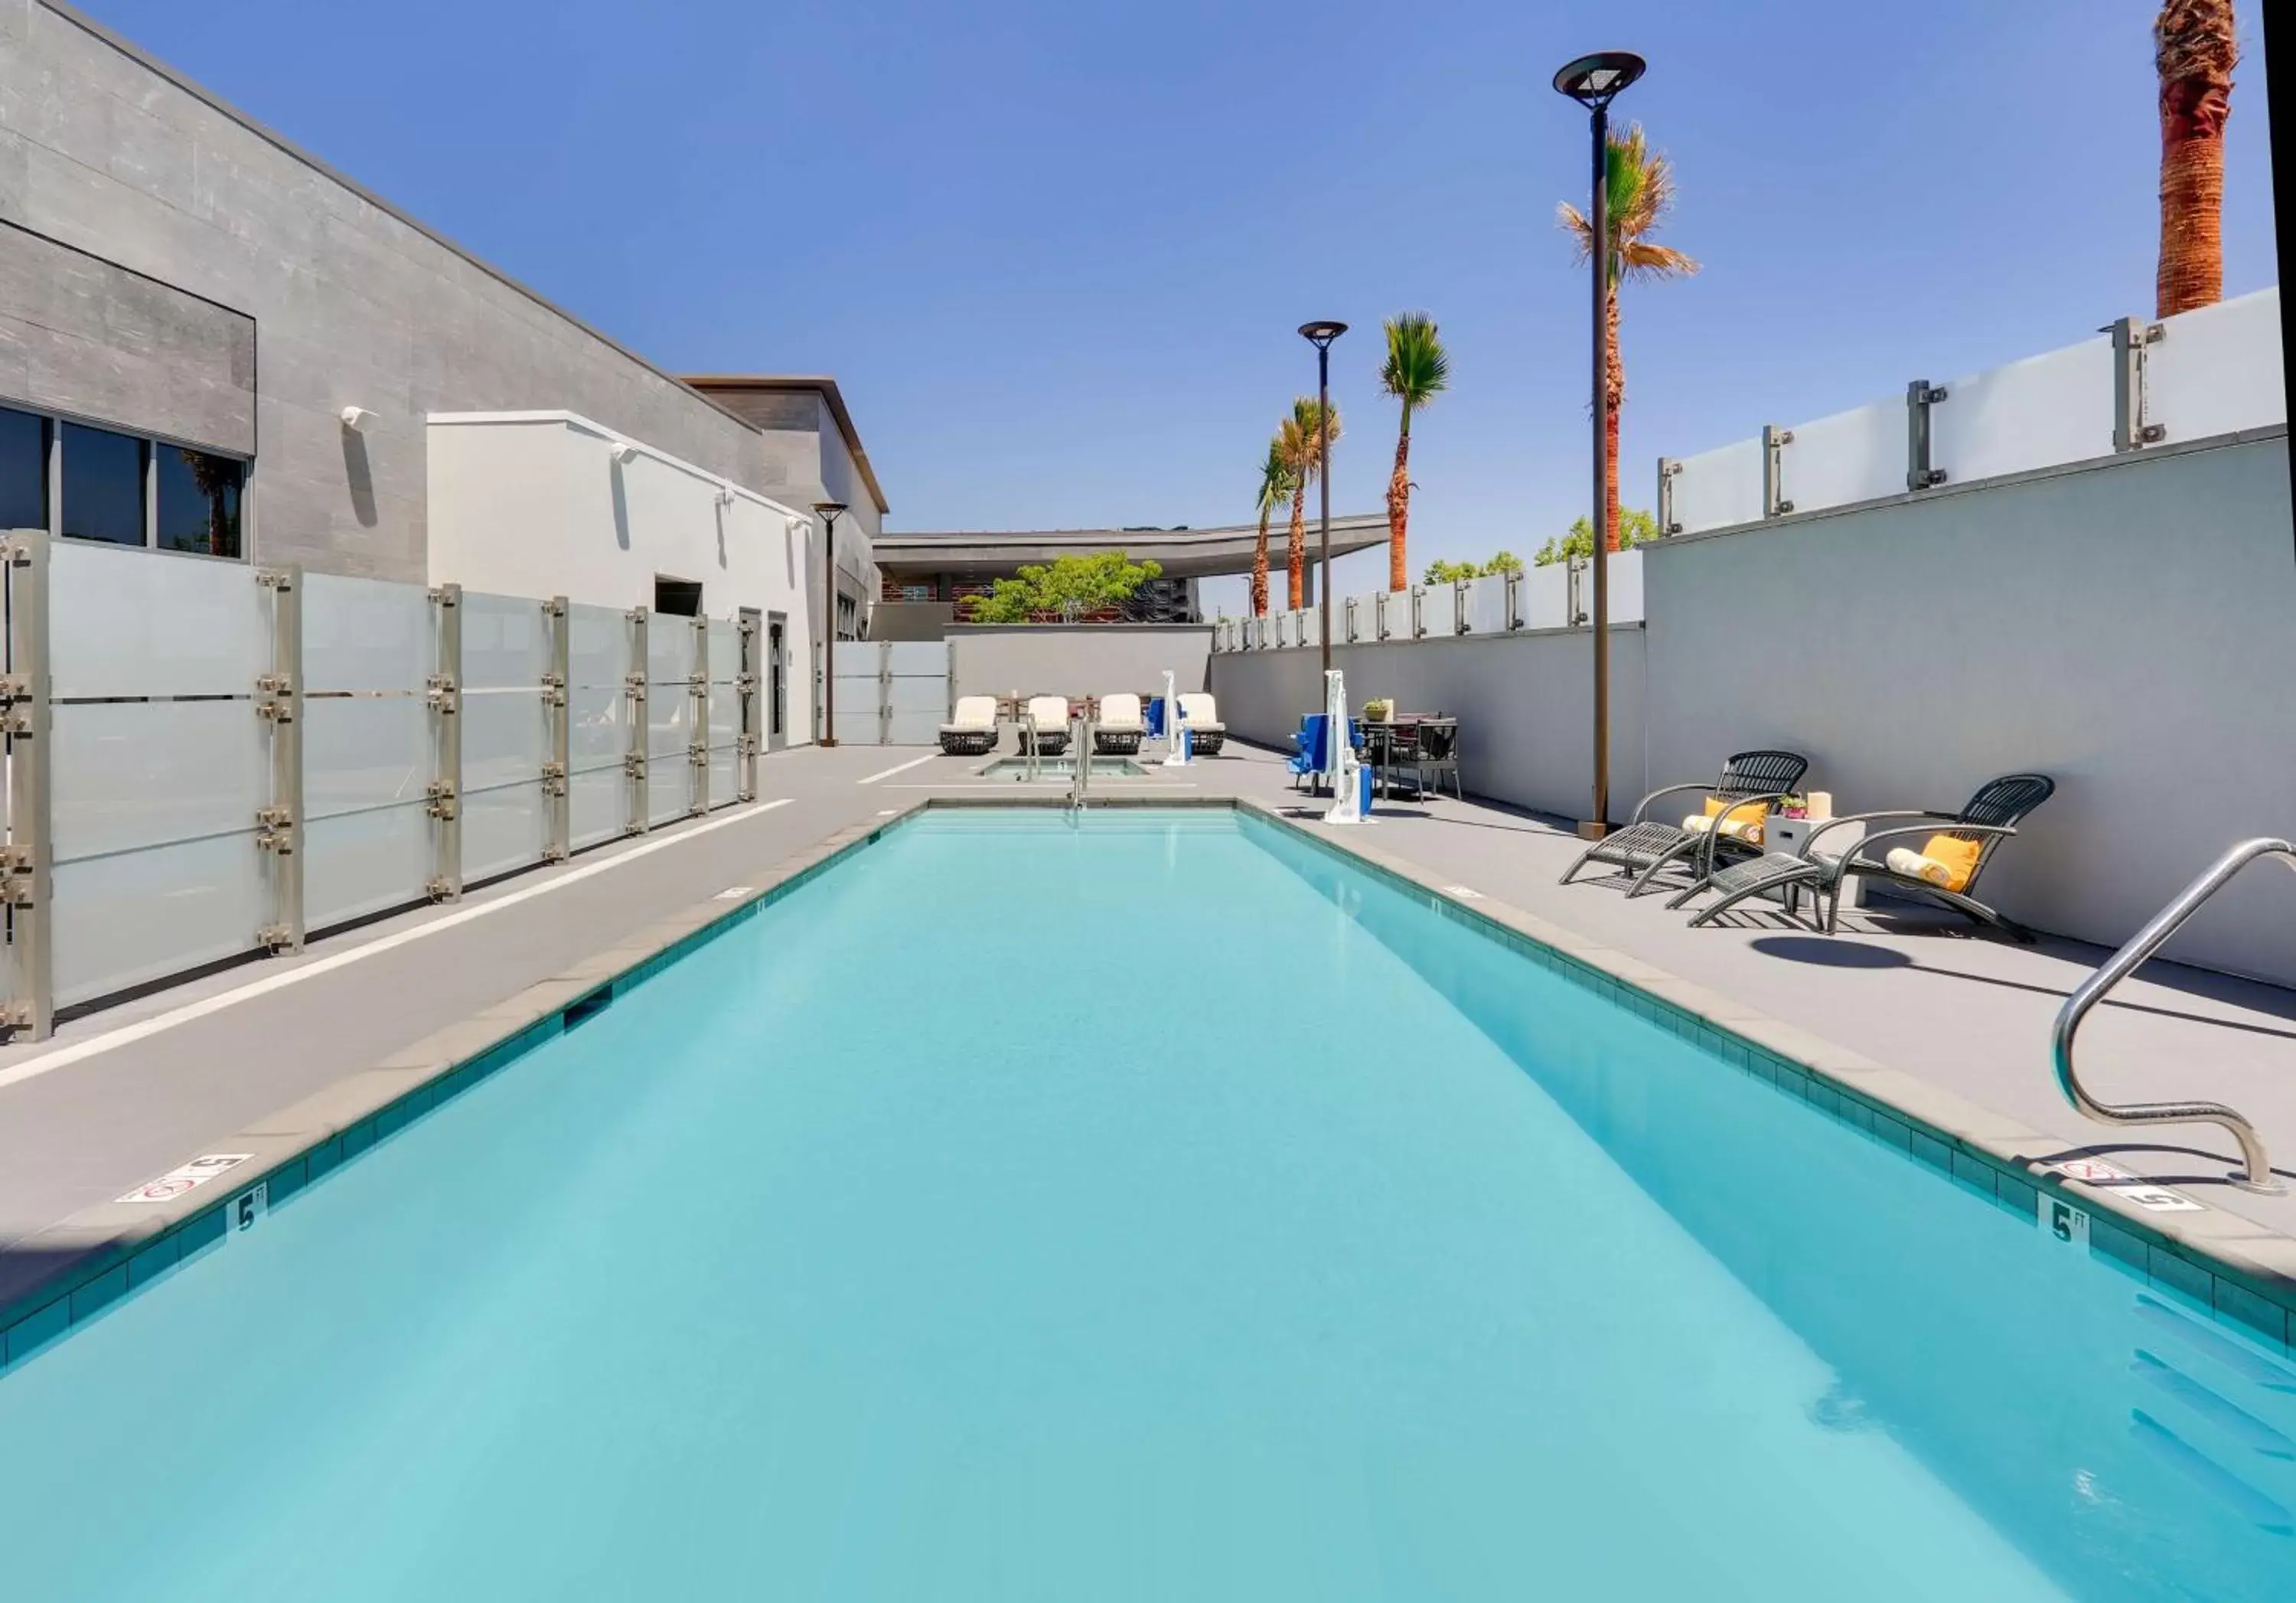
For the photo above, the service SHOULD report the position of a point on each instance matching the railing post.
(1458, 606)
(443, 695)
(884, 693)
(697, 700)
(745, 692)
(1668, 469)
(1513, 599)
(28, 871)
(279, 703)
(558, 623)
(1921, 395)
(633, 756)
(1418, 614)
(2130, 431)
(1574, 600)
(1774, 441)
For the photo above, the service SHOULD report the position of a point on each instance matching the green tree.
(1068, 587)
(1417, 370)
(1641, 189)
(1275, 485)
(1301, 441)
(1635, 528)
(1442, 572)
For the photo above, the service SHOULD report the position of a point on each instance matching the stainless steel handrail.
(1080, 735)
(1029, 739)
(2117, 968)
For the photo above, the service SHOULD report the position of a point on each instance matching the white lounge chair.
(971, 732)
(1120, 727)
(1200, 716)
(1052, 715)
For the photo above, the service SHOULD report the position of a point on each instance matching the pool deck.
(127, 1093)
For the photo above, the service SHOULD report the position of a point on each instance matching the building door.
(777, 681)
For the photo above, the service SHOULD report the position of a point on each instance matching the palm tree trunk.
(1398, 508)
(1299, 542)
(1614, 398)
(1259, 568)
(2195, 54)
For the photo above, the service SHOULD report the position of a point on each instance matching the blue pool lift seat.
(1311, 755)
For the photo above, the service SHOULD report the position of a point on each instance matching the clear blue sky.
(1054, 252)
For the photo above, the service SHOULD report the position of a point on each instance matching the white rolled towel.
(1912, 864)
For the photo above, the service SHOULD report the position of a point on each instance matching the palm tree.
(1300, 442)
(1417, 369)
(1641, 191)
(1275, 484)
(2194, 52)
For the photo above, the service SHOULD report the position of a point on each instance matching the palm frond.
(1275, 476)
(1300, 439)
(1640, 182)
(1417, 367)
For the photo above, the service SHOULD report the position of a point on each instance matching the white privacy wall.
(2127, 625)
(534, 504)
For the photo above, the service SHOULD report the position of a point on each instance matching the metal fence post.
(697, 700)
(745, 692)
(558, 624)
(1668, 469)
(633, 689)
(1458, 606)
(1921, 395)
(1512, 598)
(2130, 336)
(279, 703)
(444, 693)
(1574, 603)
(1418, 614)
(27, 869)
(1774, 441)
(884, 693)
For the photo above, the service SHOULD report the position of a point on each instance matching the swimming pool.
(1154, 1208)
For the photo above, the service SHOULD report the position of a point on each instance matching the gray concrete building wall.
(1076, 659)
(103, 150)
(1523, 702)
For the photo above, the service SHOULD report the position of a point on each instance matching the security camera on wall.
(357, 418)
(624, 451)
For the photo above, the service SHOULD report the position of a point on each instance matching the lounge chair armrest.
(1642, 806)
(1924, 831)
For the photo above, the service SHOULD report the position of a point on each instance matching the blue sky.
(1054, 251)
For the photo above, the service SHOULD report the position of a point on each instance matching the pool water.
(1155, 1209)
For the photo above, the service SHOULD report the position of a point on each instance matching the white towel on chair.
(1912, 864)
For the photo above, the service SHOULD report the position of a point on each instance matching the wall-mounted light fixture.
(724, 494)
(624, 450)
(357, 418)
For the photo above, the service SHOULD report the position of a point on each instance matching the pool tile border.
(104, 1252)
(2226, 1267)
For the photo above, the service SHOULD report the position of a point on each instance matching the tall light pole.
(1593, 81)
(1321, 335)
(828, 510)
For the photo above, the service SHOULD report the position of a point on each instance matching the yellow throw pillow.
(1745, 823)
(1959, 858)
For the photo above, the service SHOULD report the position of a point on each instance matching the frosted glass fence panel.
(506, 642)
(1438, 611)
(367, 862)
(1717, 489)
(917, 693)
(133, 775)
(725, 776)
(725, 724)
(598, 805)
(598, 723)
(124, 919)
(2217, 369)
(129, 623)
(365, 634)
(1848, 457)
(504, 829)
(1487, 605)
(363, 752)
(505, 737)
(856, 726)
(2046, 409)
(1543, 600)
(1626, 576)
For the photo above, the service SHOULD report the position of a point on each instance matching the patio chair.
(1438, 742)
(1120, 727)
(1307, 747)
(1052, 715)
(972, 730)
(1945, 869)
(1751, 783)
(1200, 716)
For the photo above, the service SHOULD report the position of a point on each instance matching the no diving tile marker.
(188, 1177)
(1463, 893)
(2152, 1199)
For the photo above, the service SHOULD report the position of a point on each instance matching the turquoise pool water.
(1154, 1210)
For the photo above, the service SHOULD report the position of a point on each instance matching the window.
(24, 471)
(199, 501)
(103, 486)
(916, 592)
(677, 597)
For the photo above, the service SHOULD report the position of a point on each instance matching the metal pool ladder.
(1028, 740)
(1080, 731)
(2258, 1175)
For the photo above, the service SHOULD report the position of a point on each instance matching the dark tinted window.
(199, 501)
(103, 486)
(24, 471)
(678, 597)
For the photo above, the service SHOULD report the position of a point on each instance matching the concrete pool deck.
(127, 1093)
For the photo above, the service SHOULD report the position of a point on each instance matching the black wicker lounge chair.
(1755, 779)
(1990, 818)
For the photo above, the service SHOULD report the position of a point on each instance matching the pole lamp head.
(1321, 334)
(829, 509)
(1593, 81)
